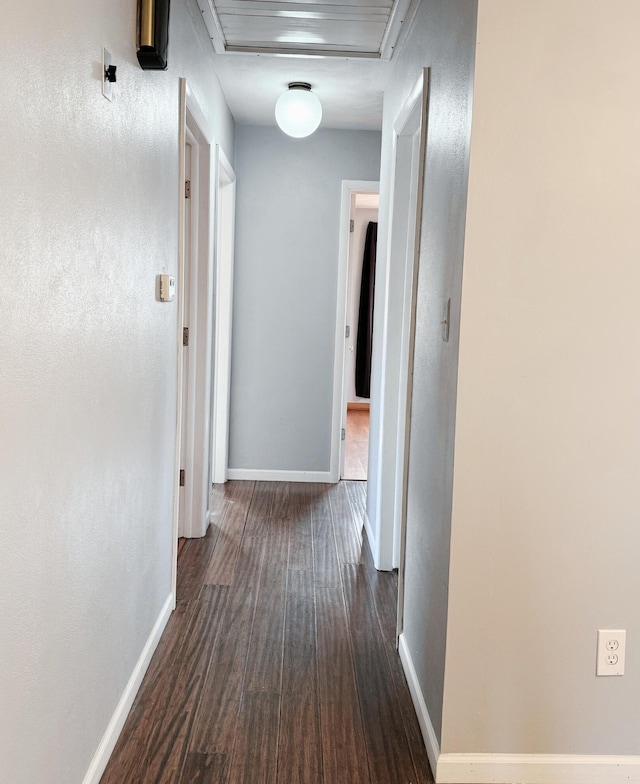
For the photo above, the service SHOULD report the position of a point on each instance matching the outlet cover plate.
(611, 651)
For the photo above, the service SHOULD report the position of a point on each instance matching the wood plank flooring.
(279, 664)
(356, 445)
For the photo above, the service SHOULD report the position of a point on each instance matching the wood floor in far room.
(356, 445)
(279, 664)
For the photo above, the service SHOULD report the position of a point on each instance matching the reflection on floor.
(356, 449)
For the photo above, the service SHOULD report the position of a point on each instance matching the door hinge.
(347, 331)
(343, 434)
(352, 226)
(187, 189)
(182, 477)
(185, 336)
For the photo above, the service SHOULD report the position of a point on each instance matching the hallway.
(279, 663)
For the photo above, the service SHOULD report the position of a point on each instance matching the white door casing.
(223, 315)
(185, 292)
(400, 271)
(195, 304)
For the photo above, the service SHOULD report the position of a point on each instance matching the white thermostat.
(167, 288)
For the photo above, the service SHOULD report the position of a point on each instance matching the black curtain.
(365, 313)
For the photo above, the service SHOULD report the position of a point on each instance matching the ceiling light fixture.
(298, 110)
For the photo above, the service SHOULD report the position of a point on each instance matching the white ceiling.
(345, 26)
(343, 48)
(350, 90)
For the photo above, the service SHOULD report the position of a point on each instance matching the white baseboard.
(537, 769)
(114, 728)
(259, 475)
(510, 768)
(428, 733)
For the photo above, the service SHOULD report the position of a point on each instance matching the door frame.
(401, 265)
(187, 293)
(195, 495)
(223, 316)
(352, 261)
(339, 408)
(412, 124)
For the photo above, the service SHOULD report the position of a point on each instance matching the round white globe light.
(298, 111)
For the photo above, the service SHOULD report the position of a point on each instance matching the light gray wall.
(545, 543)
(443, 37)
(286, 261)
(89, 201)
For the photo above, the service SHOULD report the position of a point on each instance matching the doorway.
(187, 293)
(363, 224)
(349, 284)
(192, 487)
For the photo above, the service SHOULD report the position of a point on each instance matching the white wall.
(362, 217)
(89, 202)
(442, 37)
(287, 242)
(545, 537)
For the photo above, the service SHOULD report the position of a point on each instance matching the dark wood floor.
(279, 662)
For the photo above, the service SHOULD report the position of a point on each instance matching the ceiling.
(343, 48)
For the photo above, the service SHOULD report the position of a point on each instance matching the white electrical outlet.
(611, 647)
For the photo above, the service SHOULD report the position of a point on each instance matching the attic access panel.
(340, 28)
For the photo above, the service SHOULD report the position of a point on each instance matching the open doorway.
(187, 293)
(359, 330)
(194, 320)
(349, 284)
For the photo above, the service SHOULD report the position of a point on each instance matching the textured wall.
(545, 538)
(442, 37)
(284, 311)
(88, 217)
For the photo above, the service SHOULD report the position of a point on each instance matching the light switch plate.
(107, 86)
(166, 288)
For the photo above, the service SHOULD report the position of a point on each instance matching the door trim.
(388, 416)
(182, 140)
(223, 315)
(197, 483)
(421, 93)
